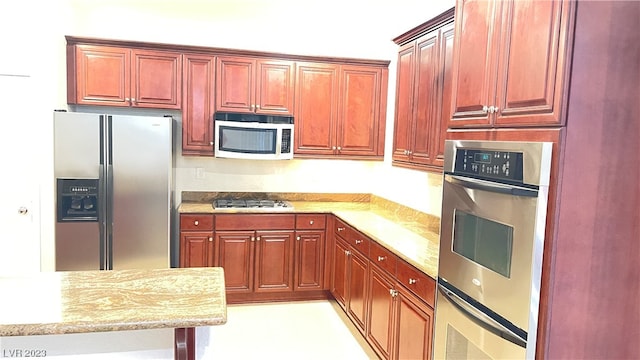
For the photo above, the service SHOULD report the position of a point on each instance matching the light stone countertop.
(410, 239)
(95, 301)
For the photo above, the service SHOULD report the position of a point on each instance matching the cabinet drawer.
(311, 221)
(196, 222)
(255, 221)
(352, 236)
(383, 258)
(417, 281)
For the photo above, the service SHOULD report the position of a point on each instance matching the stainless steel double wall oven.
(492, 235)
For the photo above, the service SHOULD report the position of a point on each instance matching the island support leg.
(185, 344)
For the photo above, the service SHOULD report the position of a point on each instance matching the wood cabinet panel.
(275, 87)
(311, 221)
(113, 76)
(317, 91)
(273, 261)
(380, 332)
(419, 283)
(309, 256)
(339, 272)
(236, 256)
(414, 327)
(504, 77)
(383, 258)
(235, 85)
(196, 249)
(356, 298)
(196, 222)
(403, 126)
(444, 112)
(199, 106)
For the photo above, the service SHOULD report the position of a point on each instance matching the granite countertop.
(95, 301)
(410, 235)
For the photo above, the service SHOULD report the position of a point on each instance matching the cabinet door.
(426, 97)
(198, 107)
(274, 261)
(309, 260)
(157, 79)
(441, 119)
(414, 327)
(473, 70)
(381, 313)
(316, 108)
(339, 272)
(357, 283)
(404, 102)
(196, 249)
(235, 85)
(359, 116)
(275, 87)
(531, 68)
(236, 253)
(102, 76)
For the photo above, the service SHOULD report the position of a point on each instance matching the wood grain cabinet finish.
(197, 247)
(340, 110)
(423, 100)
(256, 251)
(309, 252)
(249, 85)
(114, 76)
(503, 76)
(198, 104)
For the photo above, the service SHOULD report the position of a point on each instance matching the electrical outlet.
(199, 173)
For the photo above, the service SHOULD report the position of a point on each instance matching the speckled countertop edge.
(410, 234)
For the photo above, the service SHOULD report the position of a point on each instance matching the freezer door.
(139, 173)
(77, 141)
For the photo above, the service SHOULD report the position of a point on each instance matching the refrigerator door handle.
(102, 200)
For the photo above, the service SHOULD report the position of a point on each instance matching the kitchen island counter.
(96, 301)
(411, 235)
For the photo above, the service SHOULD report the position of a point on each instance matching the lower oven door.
(464, 332)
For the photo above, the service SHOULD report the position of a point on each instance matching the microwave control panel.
(503, 165)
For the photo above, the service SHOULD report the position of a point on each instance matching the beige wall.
(34, 30)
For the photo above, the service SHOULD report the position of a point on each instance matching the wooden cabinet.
(196, 240)
(120, 76)
(502, 76)
(198, 105)
(423, 87)
(261, 86)
(256, 251)
(340, 110)
(309, 252)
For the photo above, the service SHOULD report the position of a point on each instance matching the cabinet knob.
(310, 222)
(258, 238)
(253, 238)
(333, 148)
(495, 109)
(347, 252)
(298, 238)
(412, 281)
(22, 210)
(393, 292)
(358, 241)
(127, 99)
(339, 148)
(257, 106)
(211, 143)
(196, 223)
(382, 258)
(485, 109)
(340, 229)
(210, 238)
(133, 99)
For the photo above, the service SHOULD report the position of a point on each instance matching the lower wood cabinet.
(196, 240)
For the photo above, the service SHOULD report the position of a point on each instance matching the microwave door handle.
(492, 186)
(480, 318)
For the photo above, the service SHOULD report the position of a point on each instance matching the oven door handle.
(482, 319)
(491, 186)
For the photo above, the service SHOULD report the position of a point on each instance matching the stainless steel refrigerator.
(113, 186)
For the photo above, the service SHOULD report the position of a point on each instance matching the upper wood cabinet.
(340, 110)
(118, 76)
(261, 86)
(198, 105)
(510, 63)
(423, 94)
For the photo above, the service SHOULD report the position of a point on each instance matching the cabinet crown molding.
(438, 21)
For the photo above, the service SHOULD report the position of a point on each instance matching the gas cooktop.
(250, 204)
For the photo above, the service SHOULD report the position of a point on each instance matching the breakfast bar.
(50, 303)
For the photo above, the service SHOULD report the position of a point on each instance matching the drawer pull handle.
(298, 238)
(196, 223)
(412, 281)
(340, 229)
(310, 222)
(382, 258)
(358, 241)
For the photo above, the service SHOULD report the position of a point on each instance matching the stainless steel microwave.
(250, 136)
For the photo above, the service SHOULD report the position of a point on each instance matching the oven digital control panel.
(504, 165)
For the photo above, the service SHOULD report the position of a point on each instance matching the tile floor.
(298, 330)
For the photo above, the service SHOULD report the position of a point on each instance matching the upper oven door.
(487, 243)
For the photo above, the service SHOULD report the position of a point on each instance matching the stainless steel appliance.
(494, 204)
(262, 204)
(113, 191)
(250, 136)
